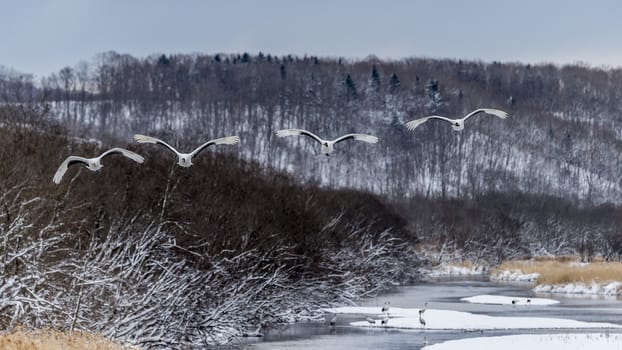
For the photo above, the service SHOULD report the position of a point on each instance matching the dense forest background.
(160, 255)
(559, 151)
(562, 139)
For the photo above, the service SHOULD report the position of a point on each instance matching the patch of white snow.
(405, 318)
(508, 300)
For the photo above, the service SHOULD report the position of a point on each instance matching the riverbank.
(566, 275)
(560, 275)
(461, 269)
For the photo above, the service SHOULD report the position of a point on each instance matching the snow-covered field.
(404, 318)
(507, 300)
(586, 341)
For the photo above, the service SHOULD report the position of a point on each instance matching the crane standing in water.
(421, 312)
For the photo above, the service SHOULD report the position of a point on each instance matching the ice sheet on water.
(508, 300)
(406, 318)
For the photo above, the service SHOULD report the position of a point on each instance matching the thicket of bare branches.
(162, 257)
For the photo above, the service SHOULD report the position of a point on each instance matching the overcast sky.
(40, 36)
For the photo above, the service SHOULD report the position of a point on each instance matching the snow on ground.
(404, 318)
(505, 300)
(453, 270)
(515, 276)
(585, 341)
(609, 288)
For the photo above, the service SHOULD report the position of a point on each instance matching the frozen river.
(444, 295)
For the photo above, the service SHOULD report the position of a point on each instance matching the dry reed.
(567, 270)
(55, 340)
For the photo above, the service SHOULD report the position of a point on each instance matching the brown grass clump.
(54, 340)
(565, 270)
(558, 258)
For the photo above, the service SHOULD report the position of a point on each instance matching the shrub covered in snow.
(163, 257)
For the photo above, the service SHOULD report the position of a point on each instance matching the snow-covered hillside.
(562, 137)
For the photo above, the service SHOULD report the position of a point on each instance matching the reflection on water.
(440, 294)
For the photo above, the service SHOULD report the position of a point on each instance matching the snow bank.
(404, 318)
(600, 341)
(515, 276)
(609, 288)
(506, 300)
(453, 270)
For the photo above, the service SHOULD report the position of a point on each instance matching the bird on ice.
(93, 164)
(456, 124)
(421, 319)
(386, 306)
(327, 145)
(185, 159)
